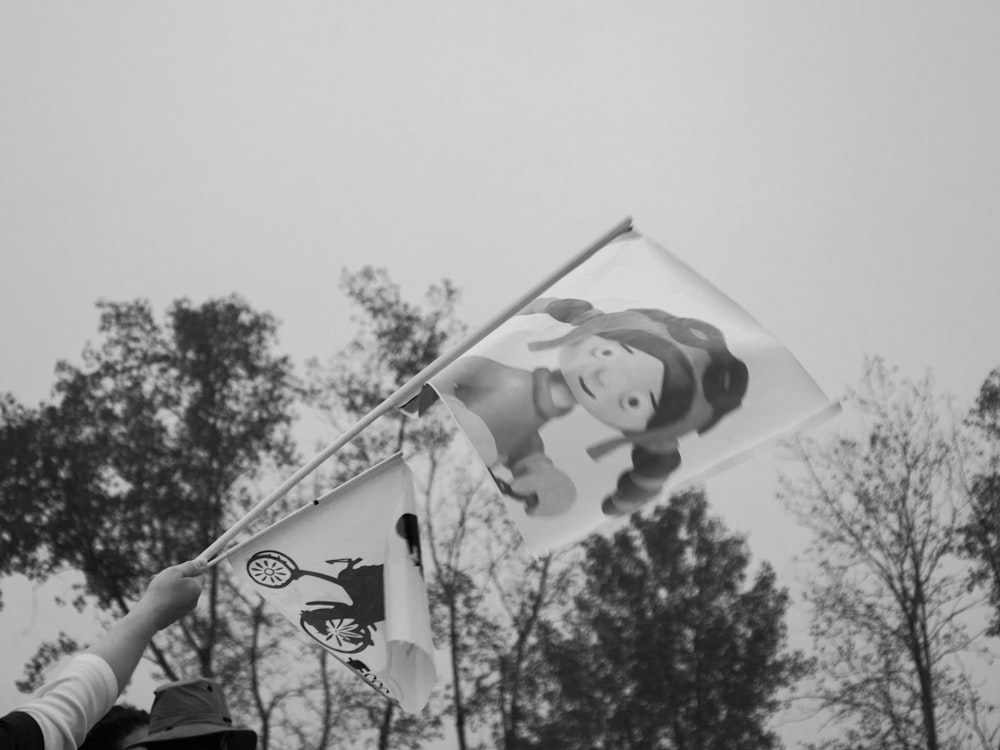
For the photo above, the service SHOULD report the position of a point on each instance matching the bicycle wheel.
(272, 569)
(339, 632)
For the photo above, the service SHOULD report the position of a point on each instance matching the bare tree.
(528, 589)
(486, 592)
(888, 595)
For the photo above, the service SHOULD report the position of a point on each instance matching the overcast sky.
(833, 167)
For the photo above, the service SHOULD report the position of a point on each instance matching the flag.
(346, 570)
(627, 378)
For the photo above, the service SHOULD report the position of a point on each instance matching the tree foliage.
(886, 503)
(668, 646)
(981, 533)
(145, 454)
(131, 467)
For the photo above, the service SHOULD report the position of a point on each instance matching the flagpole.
(411, 388)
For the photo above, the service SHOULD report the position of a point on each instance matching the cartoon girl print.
(648, 374)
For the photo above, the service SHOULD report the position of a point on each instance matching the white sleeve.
(68, 706)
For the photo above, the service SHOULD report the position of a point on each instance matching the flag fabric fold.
(346, 570)
(629, 377)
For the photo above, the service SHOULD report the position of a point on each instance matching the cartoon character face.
(616, 383)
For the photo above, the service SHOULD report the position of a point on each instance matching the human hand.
(173, 592)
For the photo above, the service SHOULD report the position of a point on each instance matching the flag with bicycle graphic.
(346, 570)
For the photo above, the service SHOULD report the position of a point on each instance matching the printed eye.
(632, 401)
(604, 352)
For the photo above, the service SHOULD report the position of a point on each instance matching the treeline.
(664, 635)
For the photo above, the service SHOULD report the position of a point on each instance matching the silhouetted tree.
(145, 454)
(529, 590)
(132, 466)
(981, 534)
(888, 595)
(667, 646)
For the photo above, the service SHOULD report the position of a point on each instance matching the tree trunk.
(385, 730)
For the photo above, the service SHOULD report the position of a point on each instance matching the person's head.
(193, 715)
(120, 727)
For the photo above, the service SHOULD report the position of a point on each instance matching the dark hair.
(112, 728)
(724, 381)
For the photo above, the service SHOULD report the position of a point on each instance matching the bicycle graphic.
(342, 627)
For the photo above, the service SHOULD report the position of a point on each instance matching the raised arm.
(61, 713)
(171, 594)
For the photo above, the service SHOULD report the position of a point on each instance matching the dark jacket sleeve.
(18, 731)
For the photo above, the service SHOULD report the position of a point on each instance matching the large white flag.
(346, 570)
(630, 376)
